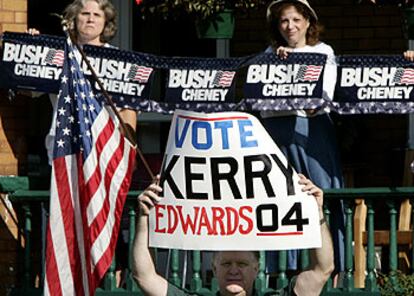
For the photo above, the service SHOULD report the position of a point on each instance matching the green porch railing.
(32, 208)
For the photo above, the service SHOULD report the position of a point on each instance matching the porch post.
(123, 38)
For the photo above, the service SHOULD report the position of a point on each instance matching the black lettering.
(216, 176)
(259, 217)
(190, 177)
(295, 210)
(250, 175)
(288, 172)
(166, 176)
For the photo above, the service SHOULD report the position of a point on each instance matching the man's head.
(235, 271)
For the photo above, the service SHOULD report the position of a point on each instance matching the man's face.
(235, 272)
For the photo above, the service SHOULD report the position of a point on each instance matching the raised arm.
(311, 281)
(143, 267)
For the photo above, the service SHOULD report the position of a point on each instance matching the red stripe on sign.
(214, 119)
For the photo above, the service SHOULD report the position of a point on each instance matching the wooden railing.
(31, 206)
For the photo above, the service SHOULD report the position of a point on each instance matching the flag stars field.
(60, 143)
(66, 131)
(62, 111)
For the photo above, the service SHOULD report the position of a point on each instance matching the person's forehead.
(235, 255)
(290, 9)
(91, 4)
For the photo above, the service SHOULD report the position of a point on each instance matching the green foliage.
(403, 285)
(200, 9)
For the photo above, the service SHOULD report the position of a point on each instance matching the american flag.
(91, 174)
(404, 76)
(139, 73)
(309, 73)
(54, 57)
(223, 78)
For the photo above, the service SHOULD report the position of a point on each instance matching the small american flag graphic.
(139, 73)
(404, 76)
(224, 78)
(55, 57)
(309, 73)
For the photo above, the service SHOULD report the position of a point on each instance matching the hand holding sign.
(149, 198)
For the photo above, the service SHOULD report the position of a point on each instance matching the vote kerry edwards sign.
(227, 186)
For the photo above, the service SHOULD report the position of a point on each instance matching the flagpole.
(126, 130)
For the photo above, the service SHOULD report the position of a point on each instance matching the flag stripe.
(96, 203)
(106, 220)
(106, 259)
(66, 240)
(101, 217)
(53, 284)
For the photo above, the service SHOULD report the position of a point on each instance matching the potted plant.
(213, 18)
(402, 285)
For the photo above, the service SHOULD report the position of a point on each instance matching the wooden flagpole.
(127, 132)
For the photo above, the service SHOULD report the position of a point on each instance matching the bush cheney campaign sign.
(35, 62)
(364, 84)
(270, 77)
(374, 84)
(227, 186)
(200, 86)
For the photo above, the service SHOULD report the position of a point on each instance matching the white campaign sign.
(227, 186)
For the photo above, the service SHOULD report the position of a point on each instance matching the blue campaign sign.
(32, 63)
(374, 84)
(363, 84)
(35, 63)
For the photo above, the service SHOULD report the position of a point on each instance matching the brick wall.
(13, 15)
(350, 28)
(13, 122)
(13, 146)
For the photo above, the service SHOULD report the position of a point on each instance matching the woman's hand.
(33, 31)
(311, 189)
(409, 55)
(149, 198)
(283, 52)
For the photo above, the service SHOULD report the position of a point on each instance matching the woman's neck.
(96, 42)
(297, 44)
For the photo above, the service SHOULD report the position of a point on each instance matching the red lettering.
(187, 222)
(232, 220)
(159, 215)
(204, 222)
(211, 221)
(172, 219)
(218, 215)
(247, 219)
